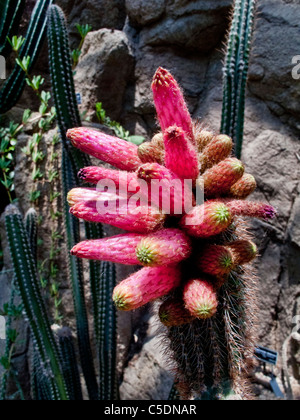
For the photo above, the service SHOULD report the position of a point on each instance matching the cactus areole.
(195, 252)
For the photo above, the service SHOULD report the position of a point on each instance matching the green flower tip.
(226, 262)
(205, 311)
(164, 316)
(145, 255)
(253, 249)
(238, 167)
(120, 302)
(222, 214)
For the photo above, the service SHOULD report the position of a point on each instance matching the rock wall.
(129, 41)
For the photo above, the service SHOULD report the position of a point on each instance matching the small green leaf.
(136, 139)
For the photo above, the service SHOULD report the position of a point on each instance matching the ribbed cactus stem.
(69, 364)
(11, 13)
(28, 284)
(107, 341)
(236, 71)
(31, 222)
(63, 83)
(13, 87)
(75, 270)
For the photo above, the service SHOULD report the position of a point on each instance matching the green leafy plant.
(83, 31)
(115, 126)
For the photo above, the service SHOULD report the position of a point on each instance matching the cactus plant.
(209, 332)
(10, 20)
(13, 87)
(62, 82)
(75, 270)
(30, 222)
(69, 362)
(28, 286)
(68, 117)
(107, 348)
(236, 71)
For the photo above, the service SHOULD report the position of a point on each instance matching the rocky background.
(129, 41)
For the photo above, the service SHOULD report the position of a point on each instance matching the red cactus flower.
(209, 219)
(168, 246)
(145, 286)
(179, 151)
(218, 149)
(243, 187)
(243, 251)
(172, 313)
(219, 179)
(216, 260)
(119, 153)
(200, 299)
(192, 260)
(170, 104)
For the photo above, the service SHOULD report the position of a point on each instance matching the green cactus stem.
(28, 285)
(72, 228)
(236, 72)
(63, 83)
(31, 221)
(12, 89)
(94, 231)
(107, 344)
(69, 365)
(9, 22)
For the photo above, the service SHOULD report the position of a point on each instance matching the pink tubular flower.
(244, 187)
(166, 191)
(172, 313)
(142, 219)
(170, 104)
(218, 149)
(119, 249)
(117, 152)
(209, 219)
(251, 209)
(216, 260)
(94, 174)
(145, 286)
(79, 195)
(219, 179)
(200, 299)
(164, 247)
(180, 155)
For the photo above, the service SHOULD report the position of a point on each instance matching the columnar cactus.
(13, 87)
(194, 262)
(34, 307)
(11, 13)
(236, 71)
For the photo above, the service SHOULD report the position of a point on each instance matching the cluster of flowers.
(183, 258)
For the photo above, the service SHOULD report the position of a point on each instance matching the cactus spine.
(28, 285)
(13, 87)
(10, 19)
(236, 72)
